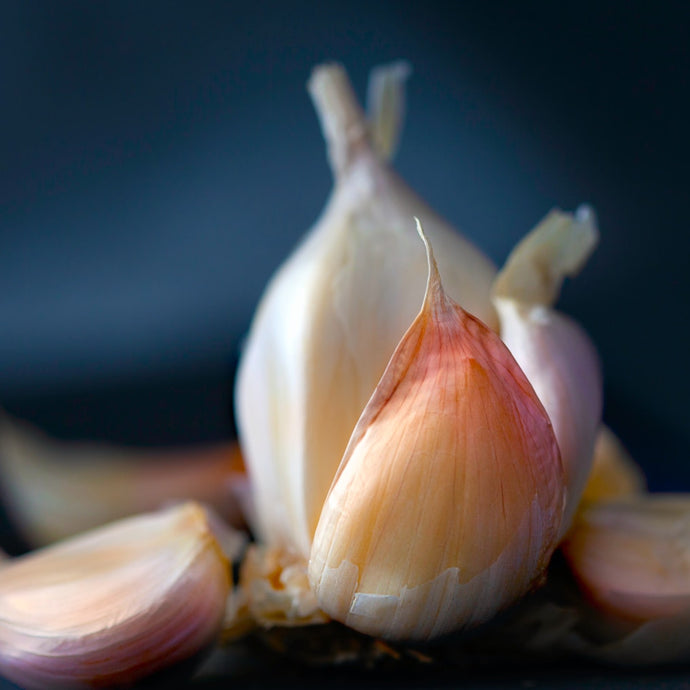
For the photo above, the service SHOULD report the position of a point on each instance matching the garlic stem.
(386, 106)
(342, 119)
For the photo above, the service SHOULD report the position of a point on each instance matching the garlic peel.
(114, 605)
(448, 499)
(558, 247)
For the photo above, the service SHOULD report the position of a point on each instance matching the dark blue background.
(158, 160)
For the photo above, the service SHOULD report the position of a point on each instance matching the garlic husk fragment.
(273, 590)
(448, 502)
(55, 489)
(614, 473)
(555, 353)
(114, 605)
(333, 314)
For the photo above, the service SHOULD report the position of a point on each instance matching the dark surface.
(160, 159)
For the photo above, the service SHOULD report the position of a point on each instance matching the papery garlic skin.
(448, 502)
(331, 317)
(553, 350)
(115, 605)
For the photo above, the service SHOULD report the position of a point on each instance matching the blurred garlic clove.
(333, 314)
(56, 489)
(555, 353)
(614, 473)
(115, 605)
(632, 557)
(448, 502)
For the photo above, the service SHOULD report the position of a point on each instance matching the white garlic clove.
(614, 473)
(632, 556)
(55, 489)
(555, 353)
(448, 502)
(331, 317)
(115, 605)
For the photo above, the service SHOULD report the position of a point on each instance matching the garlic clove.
(114, 605)
(614, 473)
(448, 502)
(632, 556)
(333, 314)
(555, 353)
(55, 489)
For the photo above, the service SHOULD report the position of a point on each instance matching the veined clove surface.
(449, 499)
(114, 605)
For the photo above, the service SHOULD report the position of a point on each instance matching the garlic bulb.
(333, 314)
(555, 353)
(55, 489)
(448, 502)
(114, 605)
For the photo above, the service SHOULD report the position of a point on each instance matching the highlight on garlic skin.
(333, 314)
(448, 502)
(55, 489)
(553, 350)
(114, 605)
